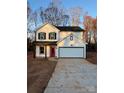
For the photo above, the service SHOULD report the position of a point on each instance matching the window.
(41, 50)
(71, 37)
(42, 35)
(52, 35)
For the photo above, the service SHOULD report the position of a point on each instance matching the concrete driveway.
(73, 76)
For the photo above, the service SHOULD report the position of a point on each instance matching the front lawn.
(39, 72)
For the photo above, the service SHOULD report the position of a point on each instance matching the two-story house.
(59, 41)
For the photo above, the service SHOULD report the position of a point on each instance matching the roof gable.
(48, 27)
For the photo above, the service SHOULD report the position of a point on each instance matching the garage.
(71, 52)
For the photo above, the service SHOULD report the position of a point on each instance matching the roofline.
(73, 31)
(81, 29)
(44, 25)
(60, 26)
(41, 27)
(45, 42)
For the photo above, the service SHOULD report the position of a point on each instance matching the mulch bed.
(39, 71)
(92, 57)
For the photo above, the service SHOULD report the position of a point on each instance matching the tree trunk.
(95, 35)
(86, 36)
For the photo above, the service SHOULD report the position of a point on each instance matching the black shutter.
(49, 35)
(38, 35)
(55, 35)
(44, 35)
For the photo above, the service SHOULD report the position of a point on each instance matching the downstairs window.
(41, 50)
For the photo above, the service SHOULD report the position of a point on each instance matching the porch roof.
(45, 42)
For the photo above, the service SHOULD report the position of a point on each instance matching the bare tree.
(54, 15)
(41, 14)
(29, 12)
(75, 14)
(35, 18)
(28, 9)
(90, 25)
(65, 20)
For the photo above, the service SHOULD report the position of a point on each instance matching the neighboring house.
(59, 41)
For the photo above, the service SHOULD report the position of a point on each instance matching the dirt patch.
(92, 57)
(39, 71)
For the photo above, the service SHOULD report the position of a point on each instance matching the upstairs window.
(42, 35)
(52, 35)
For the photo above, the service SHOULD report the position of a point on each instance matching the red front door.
(52, 51)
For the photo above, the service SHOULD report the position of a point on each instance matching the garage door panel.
(71, 52)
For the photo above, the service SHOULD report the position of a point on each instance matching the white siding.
(64, 34)
(56, 52)
(67, 42)
(47, 29)
(76, 42)
(84, 50)
(48, 51)
(38, 52)
(42, 55)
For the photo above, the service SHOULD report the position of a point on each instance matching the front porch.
(45, 49)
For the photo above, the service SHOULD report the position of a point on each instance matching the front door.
(52, 51)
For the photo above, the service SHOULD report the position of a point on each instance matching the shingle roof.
(65, 28)
(69, 28)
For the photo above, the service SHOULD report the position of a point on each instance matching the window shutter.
(44, 35)
(55, 35)
(49, 35)
(38, 35)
